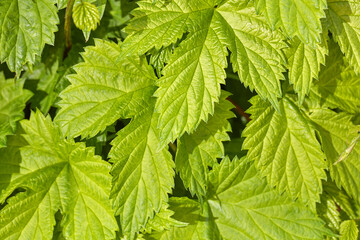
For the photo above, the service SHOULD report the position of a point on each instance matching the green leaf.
(100, 6)
(102, 91)
(327, 209)
(86, 16)
(295, 17)
(285, 149)
(201, 225)
(12, 103)
(338, 85)
(57, 174)
(143, 174)
(198, 151)
(163, 220)
(61, 3)
(190, 84)
(27, 25)
(336, 132)
(343, 18)
(244, 206)
(346, 203)
(349, 230)
(304, 65)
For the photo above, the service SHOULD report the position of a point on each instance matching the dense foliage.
(124, 119)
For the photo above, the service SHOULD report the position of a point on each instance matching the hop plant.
(179, 119)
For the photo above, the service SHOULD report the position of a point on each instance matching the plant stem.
(67, 26)
(239, 110)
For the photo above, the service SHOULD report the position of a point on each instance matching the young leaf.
(143, 174)
(103, 91)
(27, 25)
(295, 17)
(86, 16)
(285, 149)
(190, 84)
(198, 151)
(349, 230)
(343, 18)
(245, 207)
(336, 132)
(57, 174)
(304, 65)
(94, 12)
(12, 103)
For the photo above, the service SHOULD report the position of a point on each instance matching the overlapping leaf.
(143, 174)
(338, 85)
(103, 91)
(190, 84)
(343, 18)
(57, 174)
(336, 132)
(304, 65)
(242, 206)
(296, 17)
(198, 151)
(245, 207)
(26, 26)
(12, 104)
(201, 225)
(285, 149)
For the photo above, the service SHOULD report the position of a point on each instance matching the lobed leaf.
(57, 174)
(27, 25)
(285, 149)
(142, 174)
(102, 91)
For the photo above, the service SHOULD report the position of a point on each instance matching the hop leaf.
(86, 16)
(27, 25)
(285, 149)
(190, 85)
(57, 174)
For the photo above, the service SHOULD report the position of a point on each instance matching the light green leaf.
(338, 85)
(143, 174)
(163, 220)
(336, 132)
(256, 50)
(349, 230)
(86, 16)
(103, 91)
(198, 151)
(201, 225)
(27, 25)
(190, 84)
(245, 207)
(285, 149)
(346, 203)
(327, 209)
(343, 18)
(304, 65)
(295, 17)
(61, 3)
(100, 6)
(12, 103)
(57, 174)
